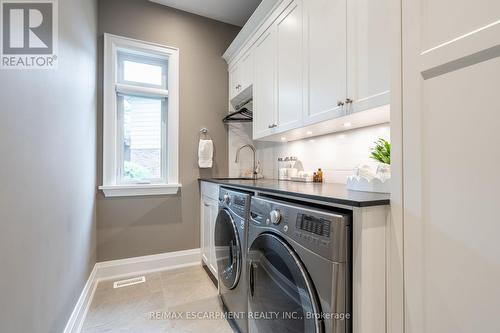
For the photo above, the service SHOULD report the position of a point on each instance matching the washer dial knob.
(227, 199)
(275, 216)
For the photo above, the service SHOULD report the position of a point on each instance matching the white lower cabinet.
(208, 212)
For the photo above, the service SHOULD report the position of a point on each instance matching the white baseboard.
(114, 269)
(82, 305)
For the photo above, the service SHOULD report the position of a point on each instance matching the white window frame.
(170, 184)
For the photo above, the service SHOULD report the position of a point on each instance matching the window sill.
(134, 190)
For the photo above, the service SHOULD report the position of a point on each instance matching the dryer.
(231, 232)
(299, 268)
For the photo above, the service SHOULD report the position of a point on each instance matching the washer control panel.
(275, 215)
(323, 232)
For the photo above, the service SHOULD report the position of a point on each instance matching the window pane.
(142, 73)
(142, 139)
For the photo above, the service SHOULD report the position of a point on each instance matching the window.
(140, 120)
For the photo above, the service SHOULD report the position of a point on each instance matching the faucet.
(254, 173)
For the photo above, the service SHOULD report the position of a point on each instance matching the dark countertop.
(326, 192)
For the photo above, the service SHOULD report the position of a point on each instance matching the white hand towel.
(205, 153)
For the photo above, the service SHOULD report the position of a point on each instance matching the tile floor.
(129, 309)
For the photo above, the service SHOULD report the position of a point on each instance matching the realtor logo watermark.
(28, 34)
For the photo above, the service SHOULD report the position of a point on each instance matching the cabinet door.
(246, 66)
(214, 210)
(205, 230)
(450, 85)
(368, 50)
(265, 85)
(234, 81)
(325, 59)
(289, 57)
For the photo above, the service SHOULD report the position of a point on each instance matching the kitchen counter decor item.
(364, 179)
(287, 168)
(356, 183)
(304, 177)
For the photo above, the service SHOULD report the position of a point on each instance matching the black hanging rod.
(240, 116)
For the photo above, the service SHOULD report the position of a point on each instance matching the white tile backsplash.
(336, 154)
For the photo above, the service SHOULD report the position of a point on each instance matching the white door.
(451, 136)
(265, 111)
(234, 81)
(325, 59)
(246, 66)
(290, 87)
(214, 210)
(368, 54)
(205, 230)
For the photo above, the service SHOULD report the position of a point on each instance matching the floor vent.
(129, 282)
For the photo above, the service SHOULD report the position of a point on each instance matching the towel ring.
(204, 134)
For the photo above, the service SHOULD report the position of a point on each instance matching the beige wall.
(48, 179)
(129, 227)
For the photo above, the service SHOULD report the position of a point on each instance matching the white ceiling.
(234, 12)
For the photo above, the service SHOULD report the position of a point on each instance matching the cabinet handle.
(348, 101)
(272, 126)
(206, 205)
(340, 103)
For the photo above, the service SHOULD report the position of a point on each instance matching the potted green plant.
(364, 179)
(382, 151)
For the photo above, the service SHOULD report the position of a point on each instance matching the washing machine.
(299, 268)
(231, 233)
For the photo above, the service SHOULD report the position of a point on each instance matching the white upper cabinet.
(264, 90)
(368, 54)
(246, 71)
(241, 75)
(290, 89)
(314, 64)
(325, 61)
(234, 81)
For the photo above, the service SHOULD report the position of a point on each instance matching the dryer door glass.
(227, 249)
(280, 287)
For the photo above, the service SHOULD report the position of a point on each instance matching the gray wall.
(129, 227)
(47, 179)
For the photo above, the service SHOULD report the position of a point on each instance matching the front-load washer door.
(227, 249)
(282, 297)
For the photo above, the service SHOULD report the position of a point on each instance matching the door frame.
(395, 289)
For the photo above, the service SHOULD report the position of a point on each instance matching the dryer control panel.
(237, 202)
